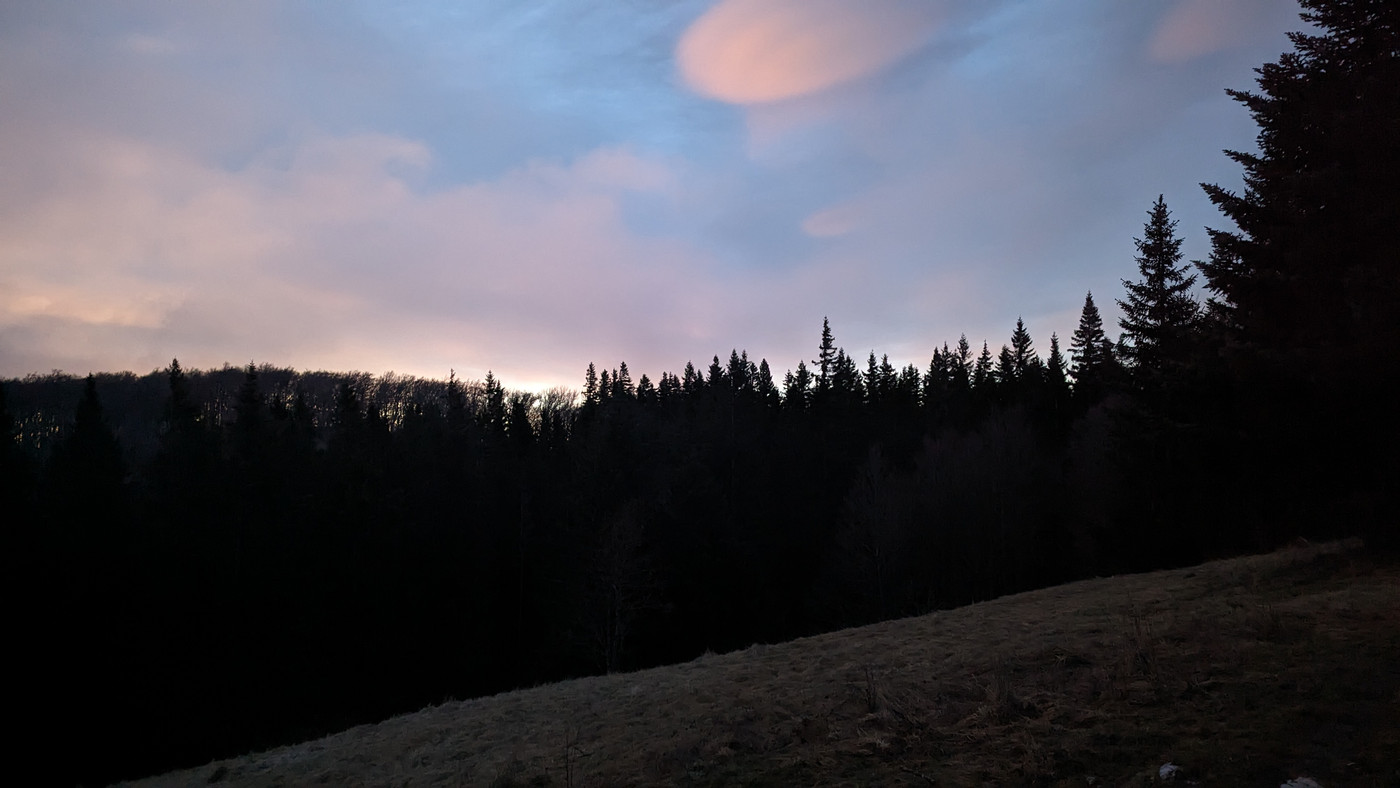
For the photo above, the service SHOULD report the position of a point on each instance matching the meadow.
(1248, 671)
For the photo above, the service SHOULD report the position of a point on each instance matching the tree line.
(231, 559)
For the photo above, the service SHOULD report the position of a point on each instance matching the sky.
(527, 186)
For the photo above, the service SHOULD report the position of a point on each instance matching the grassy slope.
(1245, 672)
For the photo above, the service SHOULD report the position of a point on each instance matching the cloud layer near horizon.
(527, 189)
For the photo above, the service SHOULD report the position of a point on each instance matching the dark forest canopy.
(230, 559)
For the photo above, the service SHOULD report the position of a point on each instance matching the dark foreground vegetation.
(212, 562)
(1243, 672)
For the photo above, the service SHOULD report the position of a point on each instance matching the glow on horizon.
(528, 189)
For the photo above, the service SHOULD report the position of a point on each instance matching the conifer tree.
(741, 372)
(1158, 312)
(797, 388)
(960, 364)
(1091, 353)
(1309, 279)
(1006, 373)
(1023, 355)
(590, 384)
(826, 357)
(691, 382)
(646, 392)
(1306, 284)
(936, 380)
(667, 388)
(1056, 379)
(765, 387)
(87, 471)
(718, 378)
(180, 409)
(982, 372)
(622, 382)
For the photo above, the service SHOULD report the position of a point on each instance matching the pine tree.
(961, 365)
(1006, 373)
(937, 379)
(1023, 354)
(180, 409)
(646, 392)
(1306, 285)
(845, 386)
(1309, 279)
(691, 382)
(1056, 379)
(982, 372)
(797, 388)
(590, 384)
(1091, 352)
(826, 357)
(1159, 312)
(622, 382)
(718, 378)
(874, 383)
(741, 372)
(766, 388)
(87, 470)
(667, 388)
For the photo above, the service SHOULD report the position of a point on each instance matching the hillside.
(1249, 671)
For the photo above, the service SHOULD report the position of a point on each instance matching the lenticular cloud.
(755, 51)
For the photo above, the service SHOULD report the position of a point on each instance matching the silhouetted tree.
(826, 358)
(1305, 287)
(797, 388)
(1092, 353)
(1158, 312)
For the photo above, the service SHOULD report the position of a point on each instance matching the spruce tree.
(1305, 285)
(1310, 276)
(826, 357)
(1006, 373)
(646, 392)
(622, 382)
(961, 365)
(1091, 353)
(767, 390)
(982, 373)
(1023, 355)
(590, 384)
(1158, 312)
(797, 388)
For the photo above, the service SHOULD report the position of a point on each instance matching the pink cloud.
(324, 256)
(755, 51)
(1195, 28)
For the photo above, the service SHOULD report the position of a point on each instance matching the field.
(1249, 671)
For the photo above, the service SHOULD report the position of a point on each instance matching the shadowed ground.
(1249, 671)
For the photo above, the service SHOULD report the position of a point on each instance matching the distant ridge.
(1249, 671)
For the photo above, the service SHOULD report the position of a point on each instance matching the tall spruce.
(1158, 311)
(1309, 278)
(1091, 353)
(826, 357)
(1306, 285)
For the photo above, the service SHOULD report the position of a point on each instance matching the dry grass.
(1244, 672)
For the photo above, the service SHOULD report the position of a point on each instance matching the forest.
(207, 562)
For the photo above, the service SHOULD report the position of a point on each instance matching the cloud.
(326, 254)
(756, 51)
(1196, 28)
(832, 222)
